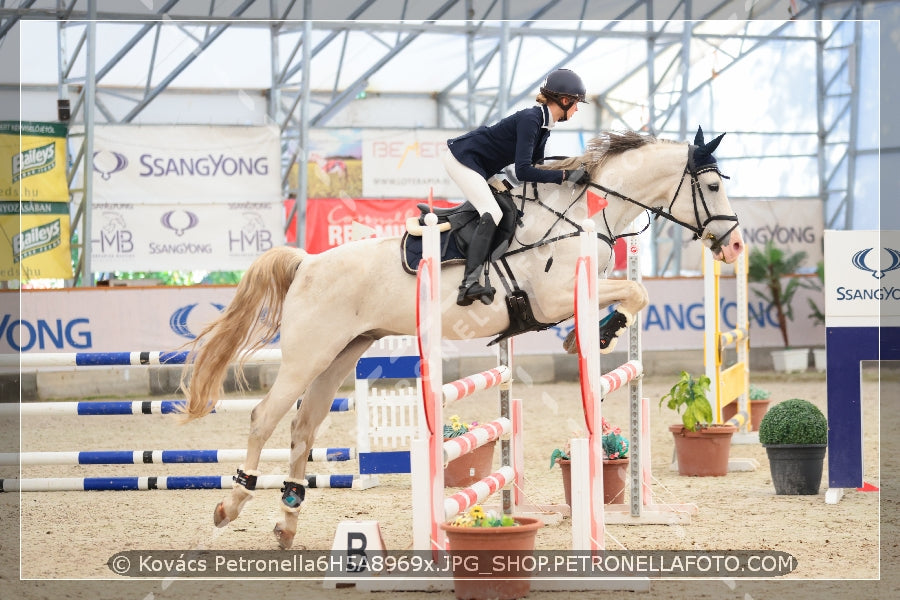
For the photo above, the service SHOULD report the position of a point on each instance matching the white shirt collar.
(549, 121)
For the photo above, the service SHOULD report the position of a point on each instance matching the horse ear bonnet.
(703, 153)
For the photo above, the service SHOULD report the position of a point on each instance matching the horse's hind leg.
(293, 378)
(313, 410)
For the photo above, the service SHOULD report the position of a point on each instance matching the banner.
(332, 221)
(164, 318)
(406, 163)
(34, 202)
(862, 279)
(793, 225)
(185, 197)
(163, 237)
(155, 164)
(33, 162)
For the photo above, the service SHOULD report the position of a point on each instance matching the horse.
(329, 308)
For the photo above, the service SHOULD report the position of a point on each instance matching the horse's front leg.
(631, 298)
(313, 410)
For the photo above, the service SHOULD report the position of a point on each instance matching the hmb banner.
(185, 197)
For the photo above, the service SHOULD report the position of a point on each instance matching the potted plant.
(771, 266)
(759, 404)
(795, 436)
(471, 467)
(615, 465)
(701, 446)
(818, 315)
(475, 539)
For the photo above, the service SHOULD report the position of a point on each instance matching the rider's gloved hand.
(577, 176)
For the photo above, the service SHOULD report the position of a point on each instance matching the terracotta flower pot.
(615, 479)
(758, 410)
(703, 452)
(488, 560)
(471, 467)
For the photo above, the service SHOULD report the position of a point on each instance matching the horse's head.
(703, 206)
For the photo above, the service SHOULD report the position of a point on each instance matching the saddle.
(457, 225)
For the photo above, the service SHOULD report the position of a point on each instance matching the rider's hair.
(541, 99)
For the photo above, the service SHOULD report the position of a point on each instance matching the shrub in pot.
(795, 436)
(701, 447)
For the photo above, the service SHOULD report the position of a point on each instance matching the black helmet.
(563, 82)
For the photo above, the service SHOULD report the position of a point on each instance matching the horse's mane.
(602, 147)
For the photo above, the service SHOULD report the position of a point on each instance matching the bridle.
(699, 201)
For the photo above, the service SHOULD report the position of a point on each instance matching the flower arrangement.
(456, 427)
(615, 445)
(477, 517)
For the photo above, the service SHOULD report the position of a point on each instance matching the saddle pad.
(411, 251)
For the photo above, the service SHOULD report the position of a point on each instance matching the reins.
(696, 194)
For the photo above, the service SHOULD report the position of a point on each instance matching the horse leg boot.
(477, 254)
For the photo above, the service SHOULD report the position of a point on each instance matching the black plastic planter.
(796, 468)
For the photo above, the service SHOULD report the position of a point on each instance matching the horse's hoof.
(284, 538)
(219, 516)
(569, 344)
(610, 347)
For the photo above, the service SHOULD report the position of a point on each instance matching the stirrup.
(475, 291)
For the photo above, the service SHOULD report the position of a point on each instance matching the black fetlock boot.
(477, 254)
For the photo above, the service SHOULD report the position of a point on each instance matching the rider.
(519, 138)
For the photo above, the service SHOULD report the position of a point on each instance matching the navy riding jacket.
(517, 139)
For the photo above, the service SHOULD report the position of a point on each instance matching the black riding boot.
(476, 256)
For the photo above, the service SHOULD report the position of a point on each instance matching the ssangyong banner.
(862, 278)
(332, 221)
(203, 237)
(103, 319)
(406, 163)
(157, 164)
(793, 225)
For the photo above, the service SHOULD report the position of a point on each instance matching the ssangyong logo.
(179, 320)
(179, 221)
(861, 257)
(33, 161)
(107, 162)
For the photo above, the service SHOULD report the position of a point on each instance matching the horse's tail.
(249, 322)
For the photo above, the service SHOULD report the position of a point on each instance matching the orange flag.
(595, 203)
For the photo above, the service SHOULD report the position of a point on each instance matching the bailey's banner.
(406, 163)
(163, 237)
(33, 165)
(103, 320)
(34, 202)
(155, 164)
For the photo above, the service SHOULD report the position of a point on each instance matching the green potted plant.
(471, 467)
(759, 404)
(795, 436)
(479, 537)
(776, 270)
(817, 315)
(701, 446)
(615, 464)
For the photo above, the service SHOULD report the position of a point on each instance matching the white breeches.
(473, 186)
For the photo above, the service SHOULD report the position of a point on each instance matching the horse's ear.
(698, 139)
(711, 147)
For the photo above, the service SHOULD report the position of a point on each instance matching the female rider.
(517, 139)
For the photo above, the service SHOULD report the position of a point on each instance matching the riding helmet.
(564, 82)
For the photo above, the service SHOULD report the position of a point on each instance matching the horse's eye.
(714, 187)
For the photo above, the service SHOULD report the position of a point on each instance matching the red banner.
(332, 221)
